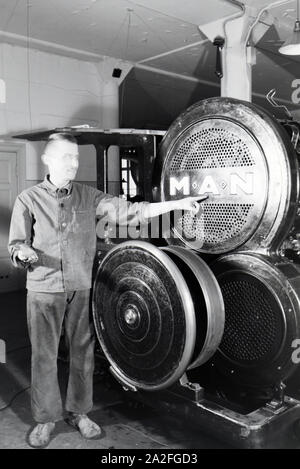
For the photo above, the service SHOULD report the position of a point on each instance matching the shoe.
(86, 426)
(40, 435)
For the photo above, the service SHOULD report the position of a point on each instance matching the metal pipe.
(238, 15)
(243, 8)
(271, 5)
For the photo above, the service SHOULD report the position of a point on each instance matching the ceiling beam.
(174, 75)
(45, 46)
(173, 51)
(203, 82)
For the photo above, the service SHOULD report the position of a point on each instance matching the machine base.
(275, 425)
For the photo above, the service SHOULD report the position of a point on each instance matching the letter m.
(176, 185)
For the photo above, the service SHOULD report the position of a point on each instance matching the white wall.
(43, 91)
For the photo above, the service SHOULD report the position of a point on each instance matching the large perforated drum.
(262, 309)
(239, 156)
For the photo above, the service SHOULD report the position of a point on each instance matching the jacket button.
(63, 224)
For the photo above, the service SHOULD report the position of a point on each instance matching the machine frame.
(276, 424)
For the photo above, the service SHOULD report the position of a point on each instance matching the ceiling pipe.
(238, 15)
(243, 8)
(263, 10)
(237, 54)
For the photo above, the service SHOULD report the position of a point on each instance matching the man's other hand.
(27, 254)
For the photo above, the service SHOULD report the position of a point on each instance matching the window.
(129, 172)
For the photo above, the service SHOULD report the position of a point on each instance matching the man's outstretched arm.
(120, 211)
(187, 203)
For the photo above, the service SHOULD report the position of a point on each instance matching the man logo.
(2, 351)
(208, 185)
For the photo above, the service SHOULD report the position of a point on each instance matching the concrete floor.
(126, 424)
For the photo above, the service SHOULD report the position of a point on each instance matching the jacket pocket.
(83, 221)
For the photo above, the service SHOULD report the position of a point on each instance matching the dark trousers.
(45, 314)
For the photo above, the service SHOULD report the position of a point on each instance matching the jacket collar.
(52, 189)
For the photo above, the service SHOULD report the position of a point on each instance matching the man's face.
(63, 160)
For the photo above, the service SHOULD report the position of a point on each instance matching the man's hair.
(58, 137)
(62, 136)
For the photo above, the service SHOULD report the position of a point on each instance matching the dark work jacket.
(60, 225)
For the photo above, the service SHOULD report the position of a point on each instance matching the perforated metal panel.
(212, 148)
(220, 159)
(260, 295)
(217, 223)
(254, 321)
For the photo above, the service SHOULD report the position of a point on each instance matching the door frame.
(19, 148)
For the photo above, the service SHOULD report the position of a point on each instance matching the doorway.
(10, 278)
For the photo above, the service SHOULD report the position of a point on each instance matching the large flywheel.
(148, 307)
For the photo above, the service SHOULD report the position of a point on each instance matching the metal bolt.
(130, 316)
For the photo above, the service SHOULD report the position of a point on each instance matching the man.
(53, 235)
